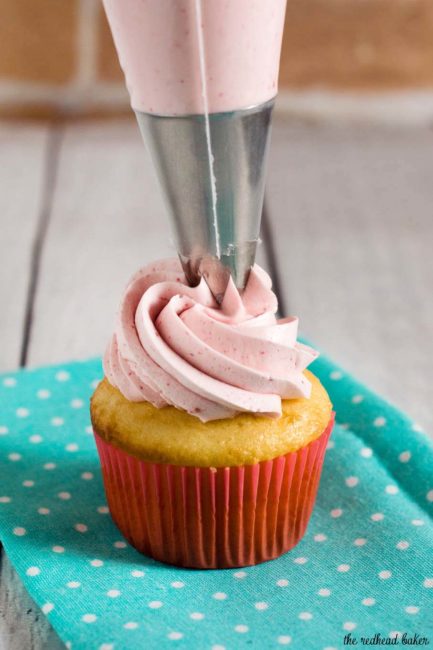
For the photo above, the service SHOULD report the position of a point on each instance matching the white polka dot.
(336, 374)
(103, 510)
(57, 422)
(320, 537)
(14, 456)
(95, 383)
(178, 584)
(47, 608)
(411, 609)
(113, 593)
(429, 496)
(137, 574)
(131, 625)
(391, 489)
(417, 427)
(58, 549)
(96, 563)
(68, 644)
(87, 476)
(174, 636)
(73, 584)
(284, 639)
(44, 511)
(89, 618)
(384, 575)
(3, 430)
(379, 421)
(35, 439)
(19, 531)
(360, 541)
(49, 466)
(349, 626)
(5, 499)
(368, 602)
(343, 568)
(336, 512)
(261, 606)
(282, 582)
(366, 452)
(28, 484)
(62, 375)
(352, 481)
(305, 616)
(405, 457)
(324, 592)
(428, 583)
(33, 571)
(240, 575)
(394, 635)
(242, 629)
(72, 446)
(120, 544)
(43, 393)
(377, 516)
(9, 382)
(402, 545)
(344, 425)
(357, 399)
(64, 496)
(330, 445)
(218, 647)
(300, 560)
(106, 646)
(22, 412)
(89, 430)
(219, 595)
(417, 522)
(155, 604)
(81, 528)
(77, 403)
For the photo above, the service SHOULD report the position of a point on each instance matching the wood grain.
(23, 151)
(351, 212)
(22, 624)
(107, 220)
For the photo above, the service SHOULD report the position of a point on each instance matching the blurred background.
(57, 56)
(348, 230)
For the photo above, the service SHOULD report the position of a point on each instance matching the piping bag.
(202, 78)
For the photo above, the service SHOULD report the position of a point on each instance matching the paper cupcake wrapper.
(210, 518)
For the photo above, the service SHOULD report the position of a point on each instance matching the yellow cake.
(168, 435)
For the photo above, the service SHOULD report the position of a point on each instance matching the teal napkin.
(364, 567)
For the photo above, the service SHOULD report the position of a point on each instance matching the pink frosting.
(158, 48)
(173, 344)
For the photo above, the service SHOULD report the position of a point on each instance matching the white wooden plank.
(22, 168)
(107, 220)
(351, 209)
(22, 624)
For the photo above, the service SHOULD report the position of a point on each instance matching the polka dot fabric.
(365, 564)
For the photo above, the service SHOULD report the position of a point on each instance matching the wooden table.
(347, 238)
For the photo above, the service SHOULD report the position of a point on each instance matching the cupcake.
(210, 430)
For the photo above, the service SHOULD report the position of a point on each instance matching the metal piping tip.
(214, 194)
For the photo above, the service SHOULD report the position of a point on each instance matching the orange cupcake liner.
(209, 518)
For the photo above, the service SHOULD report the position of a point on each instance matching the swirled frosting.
(174, 345)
